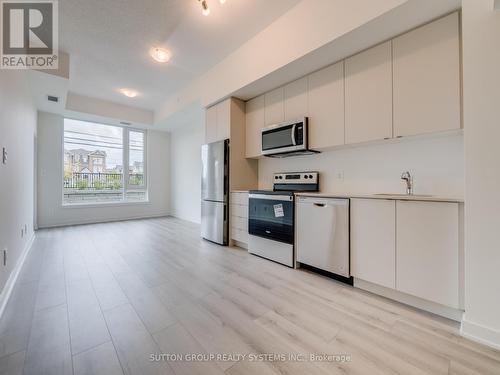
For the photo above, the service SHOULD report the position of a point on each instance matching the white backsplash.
(435, 162)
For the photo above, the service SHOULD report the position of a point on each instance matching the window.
(94, 160)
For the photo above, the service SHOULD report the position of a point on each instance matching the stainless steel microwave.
(285, 139)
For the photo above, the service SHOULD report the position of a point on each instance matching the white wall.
(436, 164)
(50, 176)
(17, 132)
(481, 83)
(185, 167)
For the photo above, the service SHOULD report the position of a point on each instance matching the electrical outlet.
(25, 229)
(22, 232)
(4, 257)
(340, 175)
(4, 155)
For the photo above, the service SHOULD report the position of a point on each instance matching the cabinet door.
(223, 119)
(326, 107)
(254, 124)
(274, 109)
(368, 95)
(211, 124)
(373, 229)
(428, 251)
(295, 104)
(427, 78)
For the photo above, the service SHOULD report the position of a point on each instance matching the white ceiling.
(108, 42)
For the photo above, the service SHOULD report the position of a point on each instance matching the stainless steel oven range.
(271, 216)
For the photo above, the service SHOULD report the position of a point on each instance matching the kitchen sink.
(404, 195)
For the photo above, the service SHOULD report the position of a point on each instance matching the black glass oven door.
(271, 217)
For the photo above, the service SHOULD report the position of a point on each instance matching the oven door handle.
(285, 198)
(294, 142)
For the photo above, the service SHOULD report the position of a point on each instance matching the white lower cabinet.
(427, 251)
(409, 246)
(373, 245)
(239, 217)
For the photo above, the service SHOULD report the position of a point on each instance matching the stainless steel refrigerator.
(215, 192)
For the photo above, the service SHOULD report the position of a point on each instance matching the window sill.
(105, 204)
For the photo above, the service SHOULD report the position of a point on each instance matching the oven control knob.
(306, 177)
(275, 177)
(281, 177)
(310, 176)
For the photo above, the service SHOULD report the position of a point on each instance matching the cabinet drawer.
(239, 199)
(240, 211)
(239, 222)
(239, 235)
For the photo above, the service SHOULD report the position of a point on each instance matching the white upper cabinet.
(427, 78)
(295, 99)
(211, 124)
(218, 121)
(368, 95)
(427, 243)
(223, 119)
(274, 107)
(254, 123)
(373, 244)
(326, 107)
(409, 85)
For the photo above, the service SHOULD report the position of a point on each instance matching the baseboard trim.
(240, 244)
(419, 303)
(479, 333)
(11, 281)
(99, 221)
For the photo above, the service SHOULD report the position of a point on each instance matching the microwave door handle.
(294, 142)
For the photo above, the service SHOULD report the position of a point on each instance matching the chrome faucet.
(409, 182)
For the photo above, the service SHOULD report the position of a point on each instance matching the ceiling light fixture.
(129, 93)
(222, 1)
(160, 54)
(205, 9)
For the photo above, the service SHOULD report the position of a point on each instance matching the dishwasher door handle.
(320, 204)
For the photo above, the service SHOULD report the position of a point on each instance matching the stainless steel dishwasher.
(322, 234)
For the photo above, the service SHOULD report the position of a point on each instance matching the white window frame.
(126, 162)
(125, 175)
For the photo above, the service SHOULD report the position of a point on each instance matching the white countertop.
(416, 197)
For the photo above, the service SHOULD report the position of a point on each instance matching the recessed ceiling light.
(222, 1)
(205, 10)
(129, 93)
(160, 54)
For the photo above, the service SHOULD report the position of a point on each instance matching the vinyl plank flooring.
(211, 333)
(12, 364)
(49, 345)
(86, 322)
(51, 286)
(247, 367)
(133, 343)
(15, 324)
(149, 307)
(471, 359)
(33, 263)
(260, 340)
(170, 295)
(51, 293)
(108, 291)
(103, 298)
(177, 340)
(101, 360)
